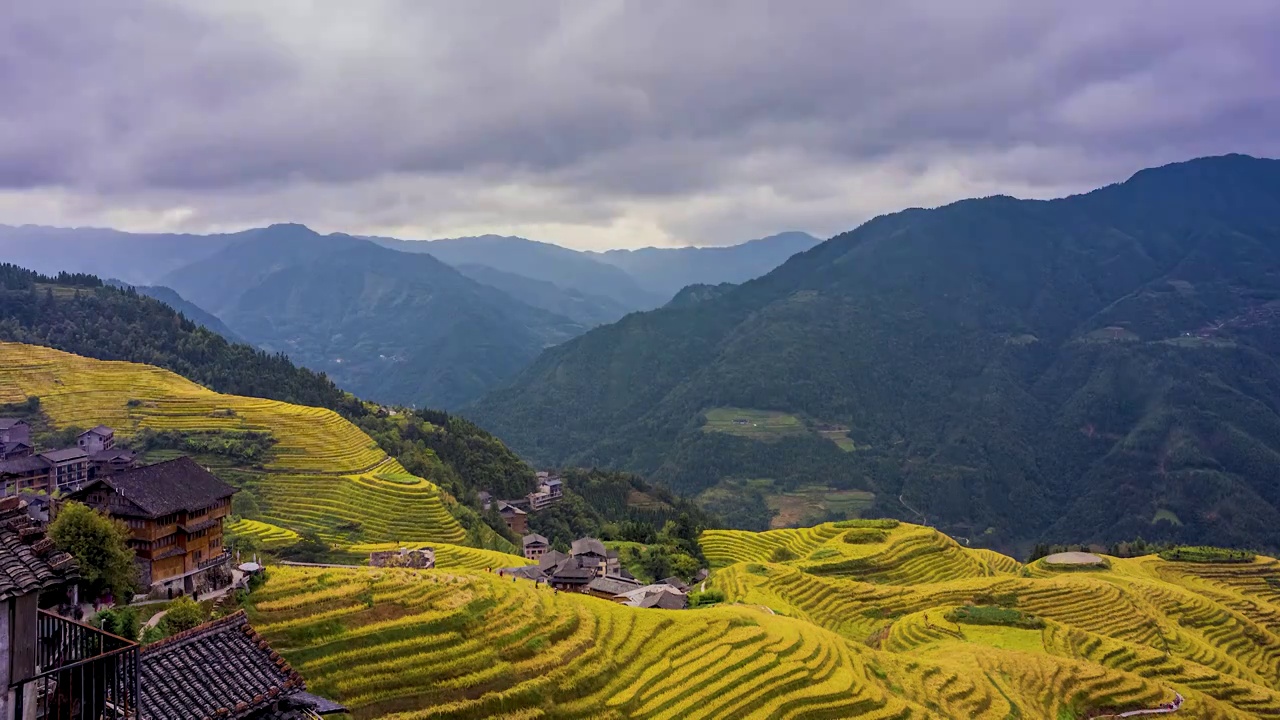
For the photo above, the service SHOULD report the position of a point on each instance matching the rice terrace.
(874, 619)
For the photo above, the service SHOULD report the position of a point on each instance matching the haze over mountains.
(423, 323)
(1098, 366)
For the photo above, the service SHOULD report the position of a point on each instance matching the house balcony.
(218, 559)
(81, 673)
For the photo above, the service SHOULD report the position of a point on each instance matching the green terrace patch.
(994, 615)
(772, 426)
(1206, 554)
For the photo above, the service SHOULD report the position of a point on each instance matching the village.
(54, 666)
(175, 510)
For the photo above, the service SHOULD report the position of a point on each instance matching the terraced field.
(1127, 636)
(269, 536)
(459, 644)
(324, 473)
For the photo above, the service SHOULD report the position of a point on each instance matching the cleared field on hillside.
(324, 473)
(802, 505)
(1128, 635)
(771, 426)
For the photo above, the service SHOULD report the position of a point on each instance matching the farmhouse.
(29, 473)
(516, 519)
(535, 546)
(97, 439)
(659, 595)
(68, 468)
(15, 438)
(175, 510)
(550, 491)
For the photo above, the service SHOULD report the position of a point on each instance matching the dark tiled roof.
(100, 430)
(534, 538)
(551, 559)
(28, 561)
(167, 487)
(573, 569)
(222, 669)
(318, 705)
(64, 454)
(23, 464)
(676, 583)
(612, 585)
(6, 423)
(113, 454)
(665, 600)
(587, 545)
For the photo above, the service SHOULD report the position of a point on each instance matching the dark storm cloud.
(707, 121)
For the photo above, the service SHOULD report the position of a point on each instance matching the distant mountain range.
(389, 326)
(1103, 366)
(416, 322)
(665, 271)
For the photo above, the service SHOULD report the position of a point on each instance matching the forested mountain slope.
(389, 326)
(1094, 367)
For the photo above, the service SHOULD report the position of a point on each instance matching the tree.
(183, 614)
(122, 621)
(100, 545)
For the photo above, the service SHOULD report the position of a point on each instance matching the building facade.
(68, 468)
(175, 511)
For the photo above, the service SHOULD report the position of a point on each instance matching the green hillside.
(1077, 369)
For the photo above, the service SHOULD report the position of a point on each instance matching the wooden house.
(175, 510)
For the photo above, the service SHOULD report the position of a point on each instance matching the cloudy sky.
(601, 123)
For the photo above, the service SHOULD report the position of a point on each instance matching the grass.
(322, 474)
(1167, 515)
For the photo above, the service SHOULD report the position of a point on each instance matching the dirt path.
(1172, 707)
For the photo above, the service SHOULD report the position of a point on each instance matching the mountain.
(565, 268)
(1096, 367)
(135, 258)
(587, 310)
(390, 326)
(190, 310)
(666, 270)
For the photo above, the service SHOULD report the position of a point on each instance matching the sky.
(597, 124)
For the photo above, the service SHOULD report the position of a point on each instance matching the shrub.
(122, 621)
(1004, 600)
(782, 554)
(876, 523)
(975, 615)
(183, 614)
(1207, 554)
(865, 536)
(705, 598)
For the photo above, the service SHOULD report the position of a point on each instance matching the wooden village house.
(175, 510)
